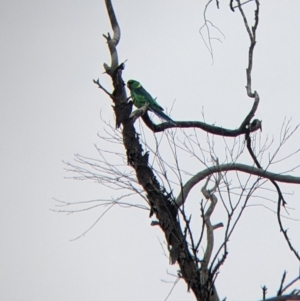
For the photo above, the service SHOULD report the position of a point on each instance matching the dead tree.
(168, 211)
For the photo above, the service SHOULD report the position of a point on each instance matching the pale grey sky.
(50, 109)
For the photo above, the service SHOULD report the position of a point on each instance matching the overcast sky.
(50, 110)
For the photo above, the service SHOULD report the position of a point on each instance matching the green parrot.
(140, 97)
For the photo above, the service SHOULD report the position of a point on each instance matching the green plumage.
(140, 97)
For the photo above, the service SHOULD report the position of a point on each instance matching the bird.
(256, 124)
(140, 97)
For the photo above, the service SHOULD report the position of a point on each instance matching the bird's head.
(133, 84)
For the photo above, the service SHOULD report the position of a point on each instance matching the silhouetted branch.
(97, 82)
(284, 232)
(291, 297)
(209, 194)
(280, 291)
(291, 283)
(216, 130)
(233, 7)
(264, 289)
(232, 167)
(207, 25)
(252, 36)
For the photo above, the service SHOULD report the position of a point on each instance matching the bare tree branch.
(112, 42)
(290, 297)
(232, 167)
(207, 25)
(219, 131)
(280, 291)
(252, 36)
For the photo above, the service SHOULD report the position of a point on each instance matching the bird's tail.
(163, 116)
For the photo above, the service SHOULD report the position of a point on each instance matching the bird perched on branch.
(140, 97)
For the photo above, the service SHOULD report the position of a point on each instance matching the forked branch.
(252, 36)
(112, 42)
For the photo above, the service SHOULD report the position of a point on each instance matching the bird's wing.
(141, 96)
(142, 92)
(139, 99)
